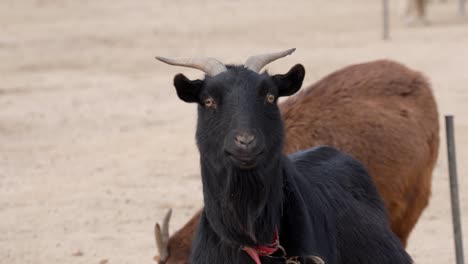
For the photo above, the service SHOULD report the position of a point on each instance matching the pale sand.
(95, 145)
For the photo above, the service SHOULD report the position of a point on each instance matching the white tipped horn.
(210, 66)
(257, 62)
(162, 237)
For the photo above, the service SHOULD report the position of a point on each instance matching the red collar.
(263, 250)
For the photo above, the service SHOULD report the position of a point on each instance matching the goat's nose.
(244, 140)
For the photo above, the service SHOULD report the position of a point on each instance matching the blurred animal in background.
(382, 114)
(415, 12)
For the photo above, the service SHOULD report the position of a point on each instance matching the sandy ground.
(95, 146)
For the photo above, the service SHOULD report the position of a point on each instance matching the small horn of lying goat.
(162, 238)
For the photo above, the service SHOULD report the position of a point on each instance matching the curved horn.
(162, 237)
(256, 63)
(210, 66)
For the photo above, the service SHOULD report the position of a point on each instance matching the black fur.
(322, 201)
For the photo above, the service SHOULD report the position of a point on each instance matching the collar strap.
(263, 250)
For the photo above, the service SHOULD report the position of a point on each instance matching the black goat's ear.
(187, 90)
(290, 82)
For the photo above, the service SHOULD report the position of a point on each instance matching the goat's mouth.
(244, 162)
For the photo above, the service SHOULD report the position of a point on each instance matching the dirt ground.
(95, 145)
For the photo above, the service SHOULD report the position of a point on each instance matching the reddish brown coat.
(380, 112)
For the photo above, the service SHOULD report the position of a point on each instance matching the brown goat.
(380, 112)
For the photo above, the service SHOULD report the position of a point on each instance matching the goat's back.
(384, 115)
(346, 220)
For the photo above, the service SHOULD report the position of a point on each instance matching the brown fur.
(380, 112)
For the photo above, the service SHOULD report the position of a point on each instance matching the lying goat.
(317, 202)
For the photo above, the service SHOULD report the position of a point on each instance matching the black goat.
(317, 202)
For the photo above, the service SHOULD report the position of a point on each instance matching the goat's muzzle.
(243, 148)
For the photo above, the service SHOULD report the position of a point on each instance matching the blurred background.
(95, 146)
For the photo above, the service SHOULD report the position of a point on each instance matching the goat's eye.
(270, 98)
(209, 103)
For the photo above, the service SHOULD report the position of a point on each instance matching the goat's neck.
(244, 206)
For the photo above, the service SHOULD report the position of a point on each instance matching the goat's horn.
(210, 66)
(162, 236)
(257, 62)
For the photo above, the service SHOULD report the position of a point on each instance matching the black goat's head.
(239, 122)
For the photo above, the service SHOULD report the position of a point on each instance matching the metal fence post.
(385, 16)
(461, 7)
(455, 201)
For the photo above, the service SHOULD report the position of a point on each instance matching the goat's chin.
(243, 163)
